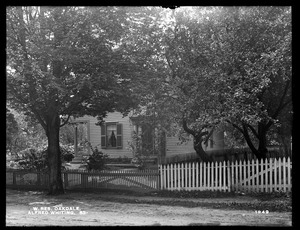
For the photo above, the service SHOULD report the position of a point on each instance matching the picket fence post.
(224, 176)
(175, 176)
(279, 175)
(228, 177)
(257, 175)
(237, 175)
(284, 175)
(185, 175)
(208, 175)
(275, 175)
(179, 178)
(261, 175)
(160, 186)
(220, 176)
(252, 176)
(217, 175)
(168, 177)
(182, 176)
(204, 175)
(171, 177)
(197, 175)
(289, 174)
(271, 175)
(163, 177)
(266, 175)
(232, 176)
(244, 188)
(213, 179)
(193, 176)
(201, 175)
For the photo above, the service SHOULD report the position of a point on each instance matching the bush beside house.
(97, 160)
(36, 158)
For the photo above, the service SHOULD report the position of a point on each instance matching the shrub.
(36, 158)
(97, 160)
(138, 162)
(67, 152)
(31, 158)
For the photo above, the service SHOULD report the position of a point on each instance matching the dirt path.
(94, 209)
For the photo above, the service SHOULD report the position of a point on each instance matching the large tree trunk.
(199, 150)
(198, 139)
(262, 144)
(261, 135)
(54, 157)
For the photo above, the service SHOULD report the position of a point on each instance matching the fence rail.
(253, 175)
(122, 179)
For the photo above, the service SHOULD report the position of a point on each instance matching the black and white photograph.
(149, 116)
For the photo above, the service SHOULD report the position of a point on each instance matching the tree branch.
(71, 107)
(268, 125)
(66, 121)
(235, 126)
(209, 135)
(260, 95)
(16, 95)
(281, 103)
(38, 116)
(253, 130)
(170, 65)
(248, 140)
(186, 128)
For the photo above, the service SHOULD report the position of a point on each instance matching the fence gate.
(119, 179)
(262, 176)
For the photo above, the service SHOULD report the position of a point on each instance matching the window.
(111, 135)
(111, 130)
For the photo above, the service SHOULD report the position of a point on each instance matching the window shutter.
(119, 136)
(103, 136)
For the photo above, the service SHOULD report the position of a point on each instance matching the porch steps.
(77, 160)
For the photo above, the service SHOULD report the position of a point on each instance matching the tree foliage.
(22, 132)
(11, 129)
(68, 58)
(216, 65)
(62, 62)
(257, 85)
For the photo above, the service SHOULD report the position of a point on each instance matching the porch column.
(75, 141)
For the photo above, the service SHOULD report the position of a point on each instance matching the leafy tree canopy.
(216, 65)
(64, 58)
(62, 62)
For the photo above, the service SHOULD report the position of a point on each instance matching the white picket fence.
(249, 176)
